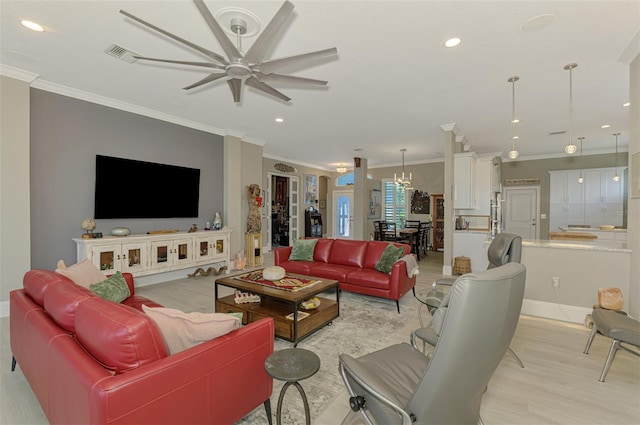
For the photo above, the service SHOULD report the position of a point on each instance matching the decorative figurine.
(193, 228)
(217, 222)
(254, 223)
(88, 224)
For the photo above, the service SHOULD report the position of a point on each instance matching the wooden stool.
(461, 265)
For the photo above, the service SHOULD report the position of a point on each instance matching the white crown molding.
(451, 127)
(123, 106)
(505, 158)
(631, 51)
(17, 73)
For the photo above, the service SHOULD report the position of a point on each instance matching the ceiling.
(391, 86)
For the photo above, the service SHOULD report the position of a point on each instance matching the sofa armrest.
(281, 255)
(207, 383)
(129, 278)
(399, 282)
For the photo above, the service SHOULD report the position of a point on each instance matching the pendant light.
(513, 153)
(580, 179)
(570, 148)
(616, 176)
(402, 181)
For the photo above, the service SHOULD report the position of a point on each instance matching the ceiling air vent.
(121, 53)
(555, 133)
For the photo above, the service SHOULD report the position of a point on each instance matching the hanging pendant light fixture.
(570, 148)
(513, 153)
(402, 181)
(341, 169)
(580, 179)
(616, 176)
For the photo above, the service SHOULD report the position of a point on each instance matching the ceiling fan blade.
(232, 52)
(235, 85)
(289, 78)
(253, 82)
(212, 55)
(256, 52)
(209, 78)
(269, 66)
(204, 64)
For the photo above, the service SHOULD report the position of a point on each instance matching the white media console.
(144, 255)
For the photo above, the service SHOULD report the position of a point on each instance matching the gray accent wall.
(66, 135)
(540, 168)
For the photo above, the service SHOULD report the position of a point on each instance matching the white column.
(449, 149)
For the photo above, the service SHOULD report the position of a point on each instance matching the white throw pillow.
(184, 330)
(84, 273)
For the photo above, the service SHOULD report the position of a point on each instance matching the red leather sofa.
(352, 264)
(92, 361)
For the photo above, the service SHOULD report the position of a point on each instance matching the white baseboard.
(563, 312)
(4, 308)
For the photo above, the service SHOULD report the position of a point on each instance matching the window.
(345, 179)
(395, 203)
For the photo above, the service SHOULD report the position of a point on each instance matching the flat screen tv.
(127, 188)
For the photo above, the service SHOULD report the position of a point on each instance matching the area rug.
(365, 324)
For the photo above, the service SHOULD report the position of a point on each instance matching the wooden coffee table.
(279, 303)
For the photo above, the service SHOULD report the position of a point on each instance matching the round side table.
(292, 365)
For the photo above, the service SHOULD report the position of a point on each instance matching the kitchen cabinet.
(485, 183)
(464, 172)
(597, 201)
(157, 253)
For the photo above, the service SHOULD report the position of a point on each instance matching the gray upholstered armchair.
(504, 248)
(400, 385)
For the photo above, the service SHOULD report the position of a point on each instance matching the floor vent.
(121, 53)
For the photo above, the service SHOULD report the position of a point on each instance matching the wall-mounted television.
(127, 188)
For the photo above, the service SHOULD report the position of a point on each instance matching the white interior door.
(521, 211)
(342, 214)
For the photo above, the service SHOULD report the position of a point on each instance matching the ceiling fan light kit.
(240, 68)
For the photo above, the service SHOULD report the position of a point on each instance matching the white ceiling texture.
(391, 85)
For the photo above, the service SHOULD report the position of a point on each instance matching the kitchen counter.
(607, 245)
(591, 229)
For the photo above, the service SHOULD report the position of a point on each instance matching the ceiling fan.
(237, 68)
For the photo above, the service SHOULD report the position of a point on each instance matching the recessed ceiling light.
(605, 126)
(279, 119)
(516, 137)
(32, 25)
(538, 22)
(452, 42)
(515, 121)
(626, 104)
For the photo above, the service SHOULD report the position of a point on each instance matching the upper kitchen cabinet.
(464, 178)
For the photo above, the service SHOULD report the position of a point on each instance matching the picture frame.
(634, 176)
(375, 203)
(310, 189)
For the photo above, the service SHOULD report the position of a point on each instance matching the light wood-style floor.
(559, 384)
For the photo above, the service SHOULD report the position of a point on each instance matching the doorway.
(342, 216)
(282, 195)
(521, 212)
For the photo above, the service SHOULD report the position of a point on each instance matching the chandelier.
(402, 181)
(341, 169)
(513, 153)
(570, 148)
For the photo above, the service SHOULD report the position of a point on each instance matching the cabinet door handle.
(117, 257)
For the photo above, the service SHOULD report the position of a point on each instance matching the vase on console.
(217, 222)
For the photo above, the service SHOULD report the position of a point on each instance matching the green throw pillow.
(303, 249)
(113, 288)
(390, 255)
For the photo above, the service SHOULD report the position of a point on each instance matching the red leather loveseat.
(352, 264)
(92, 361)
